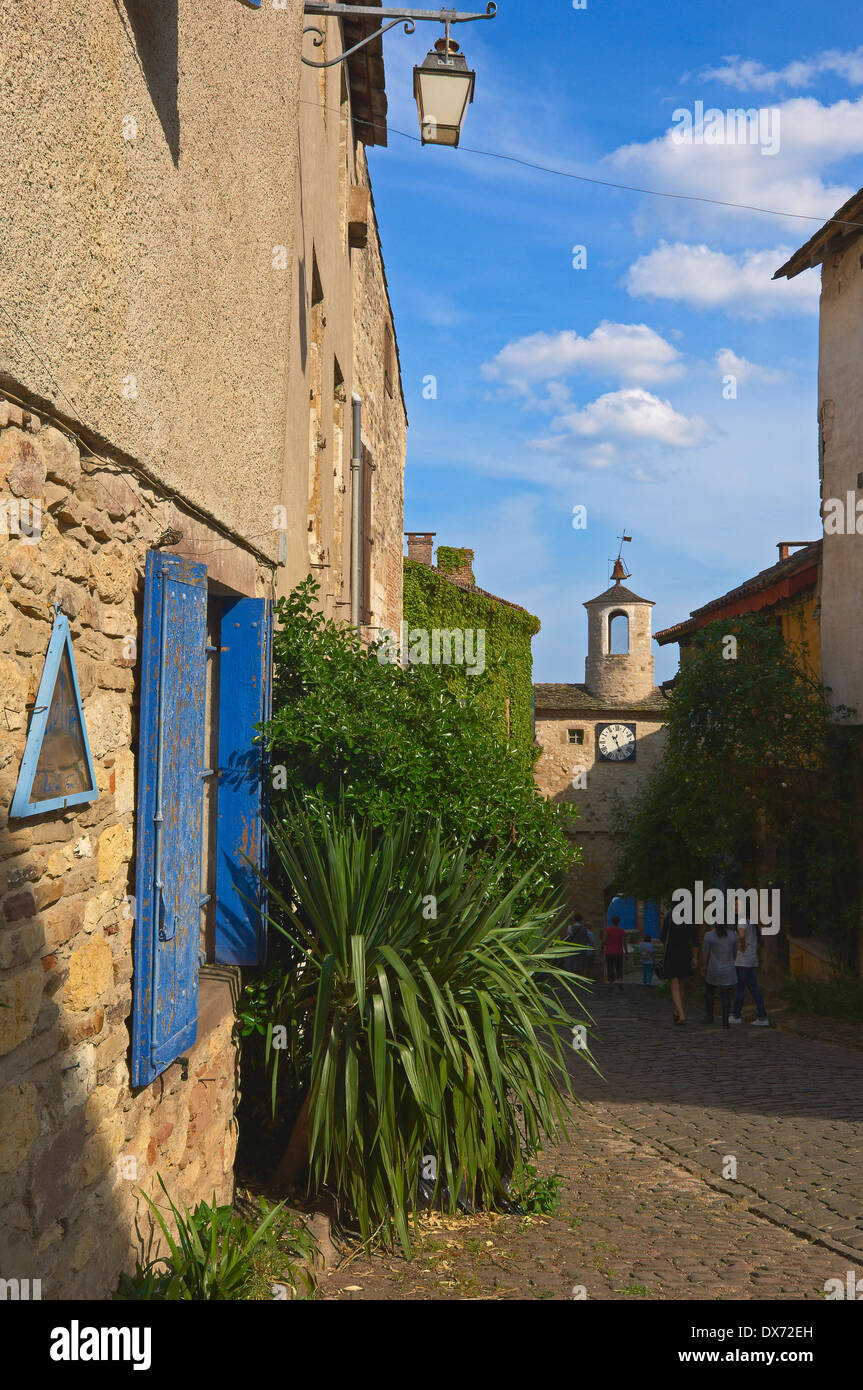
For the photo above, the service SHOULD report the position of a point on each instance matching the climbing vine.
(431, 601)
(378, 738)
(759, 781)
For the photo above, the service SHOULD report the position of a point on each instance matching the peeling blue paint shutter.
(169, 814)
(244, 701)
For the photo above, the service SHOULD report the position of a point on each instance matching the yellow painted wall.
(802, 631)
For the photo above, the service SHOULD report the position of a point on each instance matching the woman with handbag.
(680, 940)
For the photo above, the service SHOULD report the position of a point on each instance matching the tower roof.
(618, 594)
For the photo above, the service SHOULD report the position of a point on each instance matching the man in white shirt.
(746, 964)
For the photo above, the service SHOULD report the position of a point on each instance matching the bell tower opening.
(618, 634)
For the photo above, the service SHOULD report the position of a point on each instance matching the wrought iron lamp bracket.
(406, 17)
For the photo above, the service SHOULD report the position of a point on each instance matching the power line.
(607, 183)
(40, 360)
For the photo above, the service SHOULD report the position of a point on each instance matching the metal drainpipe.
(356, 464)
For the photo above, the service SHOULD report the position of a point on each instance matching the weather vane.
(619, 570)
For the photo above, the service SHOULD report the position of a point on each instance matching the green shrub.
(537, 1196)
(840, 998)
(421, 1004)
(758, 782)
(211, 1257)
(376, 738)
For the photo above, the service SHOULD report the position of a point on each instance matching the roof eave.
(836, 233)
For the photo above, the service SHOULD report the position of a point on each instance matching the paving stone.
(645, 1212)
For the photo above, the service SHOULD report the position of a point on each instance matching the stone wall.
(338, 315)
(75, 1141)
(384, 419)
(606, 781)
(618, 678)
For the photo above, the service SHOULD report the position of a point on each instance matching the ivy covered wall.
(432, 602)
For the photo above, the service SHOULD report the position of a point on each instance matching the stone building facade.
(377, 381)
(602, 740)
(77, 1140)
(350, 536)
(836, 247)
(159, 455)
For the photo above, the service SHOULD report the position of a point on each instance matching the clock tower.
(601, 742)
(619, 665)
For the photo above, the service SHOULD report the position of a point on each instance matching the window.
(576, 735)
(618, 634)
(199, 821)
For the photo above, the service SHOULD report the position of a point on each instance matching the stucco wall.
(148, 169)
(841, 415)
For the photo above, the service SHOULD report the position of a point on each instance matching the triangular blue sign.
(57, 768)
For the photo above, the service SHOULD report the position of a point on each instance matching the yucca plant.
(424, 1007)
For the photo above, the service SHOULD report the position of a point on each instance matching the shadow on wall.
(63, 1220)
(156, 36)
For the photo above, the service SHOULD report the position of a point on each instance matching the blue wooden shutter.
(244, 701)
(170, 806)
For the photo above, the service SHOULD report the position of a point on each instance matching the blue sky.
(604, 387)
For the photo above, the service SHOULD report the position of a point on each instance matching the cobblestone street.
(646, 1212)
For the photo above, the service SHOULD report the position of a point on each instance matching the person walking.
(717, 967)
(746, 963)
(615, 945)
(576, 935)
(646, 950)
(680, 940)
(591, 944)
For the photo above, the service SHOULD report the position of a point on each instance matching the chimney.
(420, 546)
(785, 548)
(456, 564)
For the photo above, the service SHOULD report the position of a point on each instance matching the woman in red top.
(615, 943)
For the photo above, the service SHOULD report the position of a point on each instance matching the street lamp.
(443, 88)
(443, 84)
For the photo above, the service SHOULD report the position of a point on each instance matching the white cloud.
(740, 284)
(729, 364)
(750, 75)
(811, 138)
(624, 351)
(629, 414)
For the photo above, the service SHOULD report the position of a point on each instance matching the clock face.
(616, 742)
